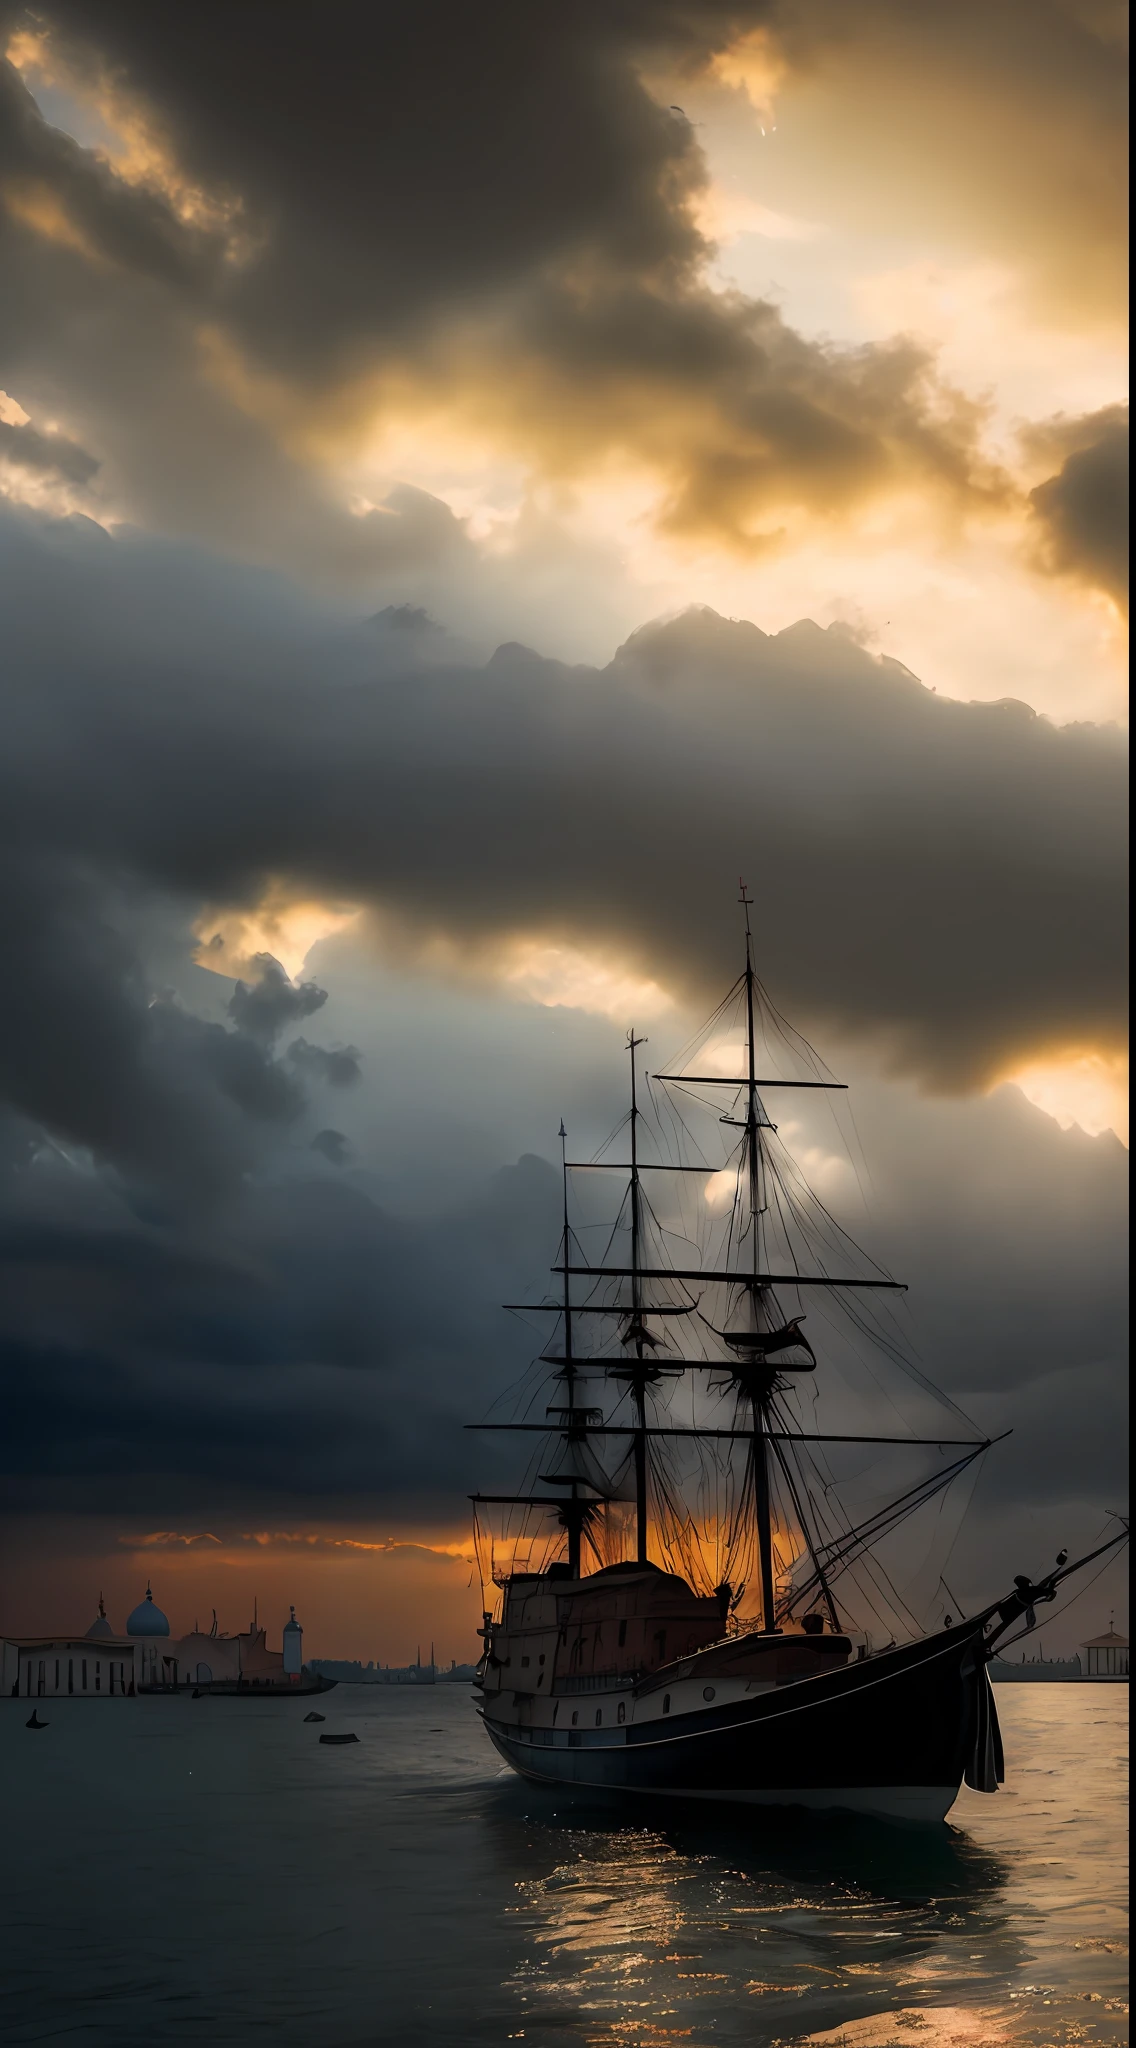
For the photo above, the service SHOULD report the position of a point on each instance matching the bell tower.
(293, 1647)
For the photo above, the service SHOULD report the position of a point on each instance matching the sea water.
(205, 1871)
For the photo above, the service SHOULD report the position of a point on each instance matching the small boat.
(707, 1588)
(315, 1717)
(338, 1740)
(35, 1721)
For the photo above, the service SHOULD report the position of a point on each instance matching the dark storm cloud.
(388, 162)
(50, 455)
(337, 1065)
(488, 207)
(307, 1347)
(1081, 513)
(89, 1052)
(264, 1008)
(204, 1297)
(945, 879)
(333, 1146)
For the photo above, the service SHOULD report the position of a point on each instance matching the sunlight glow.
(1089, 1089)
(721, 1189)
(561, 977)
(230, 939)
(724, 212)
(755, 66)
(724, 1056)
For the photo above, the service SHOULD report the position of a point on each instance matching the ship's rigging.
(698, 1301)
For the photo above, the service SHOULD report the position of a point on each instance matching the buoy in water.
(35, 1722)
(339, 1738)
(315, 1717)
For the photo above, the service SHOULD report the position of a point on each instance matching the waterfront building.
(211, 1657)
(100, 1627)
(1106, 1656)
(48, 1667)
(148, 1629)
(101, 1664)
(293, 1646)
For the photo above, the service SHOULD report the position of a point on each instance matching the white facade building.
(103, 1665)
(74, 1666)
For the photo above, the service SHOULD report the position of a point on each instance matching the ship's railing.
(600, 1681)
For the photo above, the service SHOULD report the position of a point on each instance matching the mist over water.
(203, 1870)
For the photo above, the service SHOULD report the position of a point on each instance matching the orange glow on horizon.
(359, 1593)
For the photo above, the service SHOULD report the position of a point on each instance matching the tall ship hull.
(893, 1737)
(686, 1598)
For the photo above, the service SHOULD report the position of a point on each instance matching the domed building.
(100, 1626)
(147, 1620)
(145, 1660)
(148, 1627)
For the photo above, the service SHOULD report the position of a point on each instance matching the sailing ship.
(688, 1595)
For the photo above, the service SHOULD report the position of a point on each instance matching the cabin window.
(622, 1633)
(57, 1674)
(41, 1682)
(70, 1674)
(666, 1703)
(542, 1656)
(563, 1636)
(540, 1678)
(524, 1663)
(707, 1692)
(575, 1718)
(98, 1677)
(622, 1714)
(599, 1716)
(660, 1644)
(84, 1674)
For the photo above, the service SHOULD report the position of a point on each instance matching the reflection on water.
(651, 1930)
(852, 1933)
(207, 1872)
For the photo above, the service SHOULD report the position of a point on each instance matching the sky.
(472, 484)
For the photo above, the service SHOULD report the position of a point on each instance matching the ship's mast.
(573, 1517)
(756, 1333)
(641, 1372)
(576, 1510)
(759, 1387)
